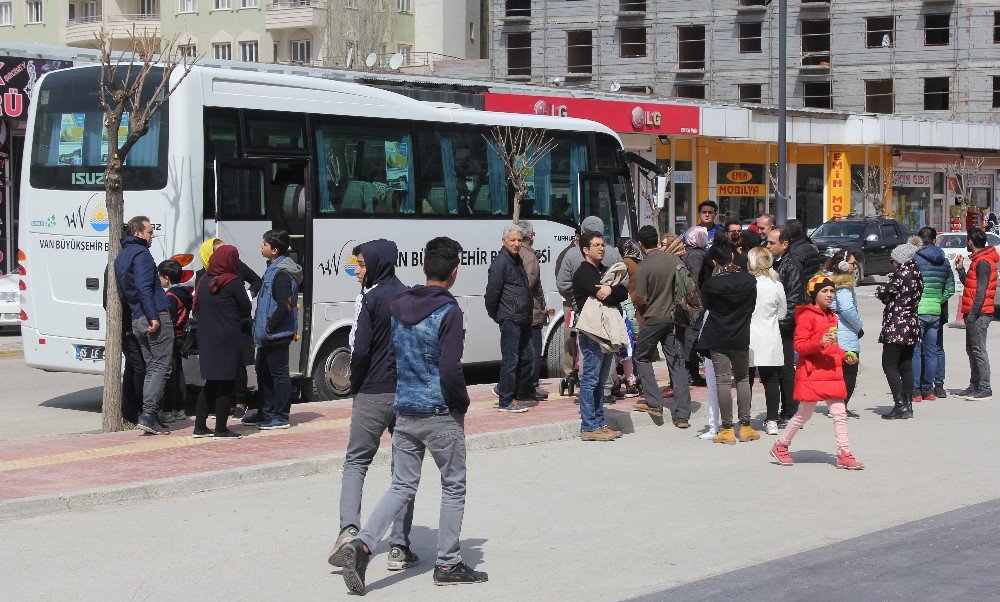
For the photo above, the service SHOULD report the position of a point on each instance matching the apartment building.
(334, 33)
(934, 58)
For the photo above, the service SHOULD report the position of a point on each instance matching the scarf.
(224, 266)
(205, 251)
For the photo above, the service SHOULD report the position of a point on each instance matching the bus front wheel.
(554, 353)
(332, 372)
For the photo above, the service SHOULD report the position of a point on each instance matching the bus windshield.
(70, 140)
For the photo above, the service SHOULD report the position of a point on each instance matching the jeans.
(274, 382)
(897, 362)
(651, 335)
(373, 413)
(132, 378)
(444, 437)
(787, 381)
(770, 377)
(927, 353)
(733, 365)
(851, 378)
(516, 353)
(536, 357)
(157, 352)
(594, 368)
(975, 346)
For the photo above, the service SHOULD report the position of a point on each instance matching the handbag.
(189, 341)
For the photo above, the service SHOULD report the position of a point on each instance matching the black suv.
(872, 238)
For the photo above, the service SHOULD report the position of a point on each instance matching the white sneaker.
(708, 434)
(771, 427)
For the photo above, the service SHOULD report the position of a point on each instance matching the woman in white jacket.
(765, 340)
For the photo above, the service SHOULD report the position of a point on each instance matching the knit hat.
(818, 283)
(592, 224)
(904, 253)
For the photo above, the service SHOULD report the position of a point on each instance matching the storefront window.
(740, 191)
(866, 189)
(809, 201)
(683, 179)
(911, 199)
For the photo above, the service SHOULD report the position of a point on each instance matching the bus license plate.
(89, 353)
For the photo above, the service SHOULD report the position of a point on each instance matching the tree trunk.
(517, 204)
(111, 402)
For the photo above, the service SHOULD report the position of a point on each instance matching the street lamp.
(780, 197)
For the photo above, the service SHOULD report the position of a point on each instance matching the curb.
(11, 352)
(280, 471)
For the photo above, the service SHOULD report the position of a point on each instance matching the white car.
(955, 244)
(10, 303)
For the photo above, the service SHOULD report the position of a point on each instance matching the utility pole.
(780, 196)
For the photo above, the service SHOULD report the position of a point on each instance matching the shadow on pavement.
(86, 400)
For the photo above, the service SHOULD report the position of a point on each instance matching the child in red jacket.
(820, 374)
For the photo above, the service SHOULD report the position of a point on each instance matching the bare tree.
(134, 82)
(366, 29)
(872, 187)
(963, 172)
(520, 149)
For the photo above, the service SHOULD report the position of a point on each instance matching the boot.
(907, 408)
(897, 408)
(727, 435)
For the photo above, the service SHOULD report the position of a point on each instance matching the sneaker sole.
(352, 579)
(203, 436)
(275, 428)
(228, 437)
(839, 467)
(509, 411)
(440, 583)
(780, 463)
(400, 566)
(337, 555)
(151, 430)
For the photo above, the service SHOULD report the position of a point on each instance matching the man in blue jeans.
(939, 286)
(509, 304)
(274, 327)
(140, 290)
(594, 362)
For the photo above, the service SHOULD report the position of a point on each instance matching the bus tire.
(332, 370)
(553, 354)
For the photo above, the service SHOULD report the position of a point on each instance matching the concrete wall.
(442, 27)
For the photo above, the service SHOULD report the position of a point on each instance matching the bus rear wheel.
(331, 377)
(553, 355)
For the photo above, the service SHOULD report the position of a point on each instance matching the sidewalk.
(54, 473)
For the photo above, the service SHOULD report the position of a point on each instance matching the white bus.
(236, 153)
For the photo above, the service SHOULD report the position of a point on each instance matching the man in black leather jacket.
(790, 272)
(509, 304)
(803, 249)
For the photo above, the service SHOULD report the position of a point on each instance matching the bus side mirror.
(661, 191)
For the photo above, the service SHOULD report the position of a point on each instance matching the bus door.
(605, 195)
(261, 194)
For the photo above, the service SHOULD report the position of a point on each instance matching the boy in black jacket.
(373, 384)
(179, 298)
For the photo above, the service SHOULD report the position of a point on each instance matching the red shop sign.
(620, 116)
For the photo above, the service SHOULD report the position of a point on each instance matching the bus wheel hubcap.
(338, 370)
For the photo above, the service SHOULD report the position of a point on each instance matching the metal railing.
(123, 18)
(278, 4)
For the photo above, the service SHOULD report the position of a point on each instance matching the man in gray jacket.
(539, 315)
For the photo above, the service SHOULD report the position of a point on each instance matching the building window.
(880, 32)
(753, 3)
(403, 6)
(91, 11)
(34, 14)
(816, 42)
(6, 14)
(878, 96)
(187, 6)
(188, 50)
(691, 47)
(223, 52)
(936, 93)
(301, 51)
(406, 50)
(248, 4)
(996, 91)
(518, 8)
(518, 54)
(222, 5)
(750, 34)
(751, 93)
(353, 4)
(248, 52)
(633, 42)
(72, 13)
(580, 51)
(691, 91)
(275, 56)
(996, 27)
(149, 8)
(817, 95)
(937, 29)
(472, 31)
(632, 6)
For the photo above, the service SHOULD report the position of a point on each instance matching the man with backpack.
(662, 287)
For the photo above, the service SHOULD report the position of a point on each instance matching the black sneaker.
(459, 574)
(966, 392)
(400, 557)
(980, 395)
(239, 413)
(227, 434)
(347, 534)
(255, 418)
(852, 414)
(149, 424)
(202, 431)
(355, 564)
(782, 423)
(939, 391)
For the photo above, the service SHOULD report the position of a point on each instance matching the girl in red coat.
(820, 374)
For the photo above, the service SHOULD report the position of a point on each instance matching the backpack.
(182, 317)
(687, 299)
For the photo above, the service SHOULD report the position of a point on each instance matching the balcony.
(83, 30)
(631, 9)
(295, 14)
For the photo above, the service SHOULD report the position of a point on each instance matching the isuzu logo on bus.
(88, 178)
